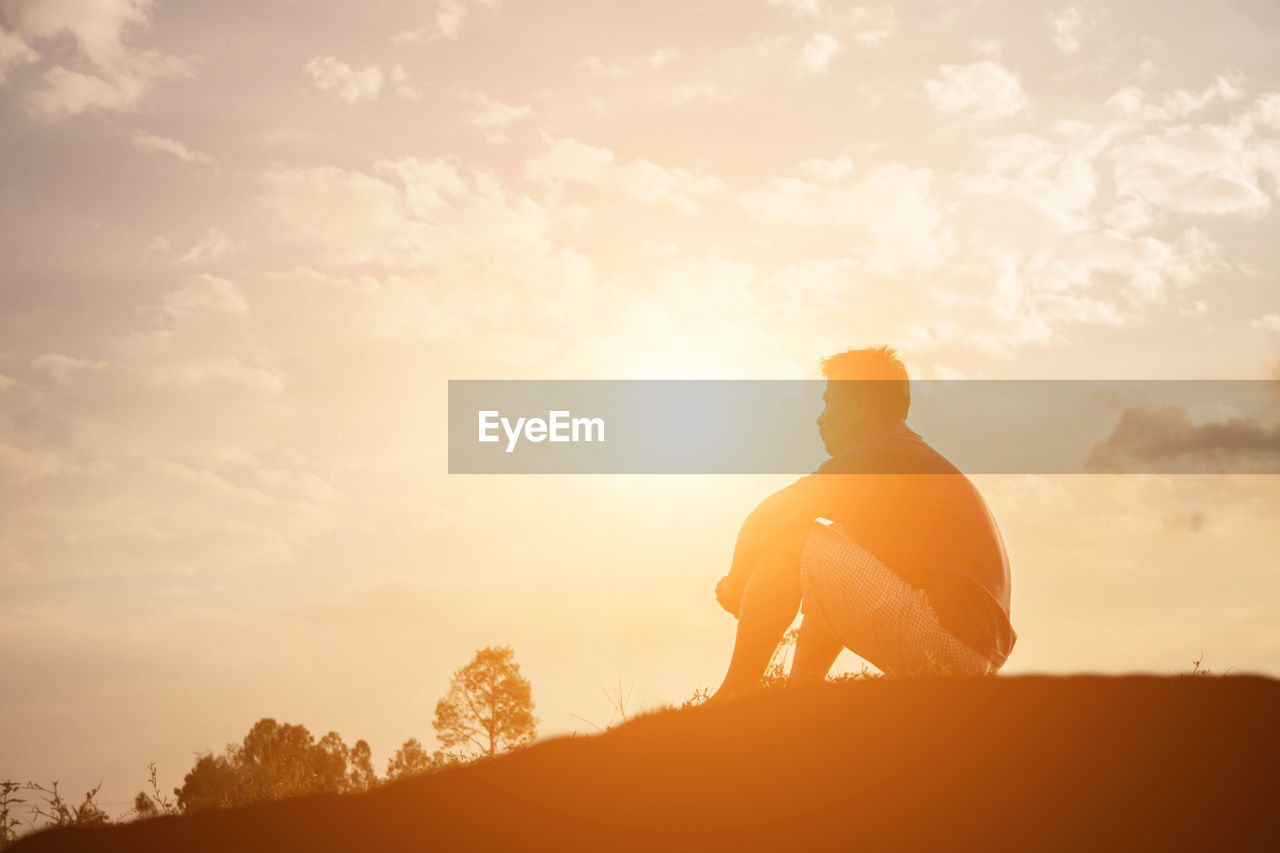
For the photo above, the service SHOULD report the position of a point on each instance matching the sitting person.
(910, 574)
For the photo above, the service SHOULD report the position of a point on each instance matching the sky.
(244, 246)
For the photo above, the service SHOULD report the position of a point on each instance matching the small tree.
(276, 761)
(412, 759)
(362, 776)
(489, 706)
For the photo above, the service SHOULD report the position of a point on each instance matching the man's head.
(867, 390)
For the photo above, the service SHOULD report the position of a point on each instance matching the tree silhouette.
(411, 759)
(362, 776)
(273, 762)
(489, 706)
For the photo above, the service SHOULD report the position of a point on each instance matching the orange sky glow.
(244, 246)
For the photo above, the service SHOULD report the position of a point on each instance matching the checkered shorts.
(875, 613)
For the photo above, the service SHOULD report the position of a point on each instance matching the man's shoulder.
(897, 451)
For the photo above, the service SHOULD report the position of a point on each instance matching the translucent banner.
(768, 426)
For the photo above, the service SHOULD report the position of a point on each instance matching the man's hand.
(729, 595)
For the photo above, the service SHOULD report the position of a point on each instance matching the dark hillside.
(1019, 763)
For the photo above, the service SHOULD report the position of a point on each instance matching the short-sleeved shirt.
(905, 503)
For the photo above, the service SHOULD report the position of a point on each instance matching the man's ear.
(853, 400)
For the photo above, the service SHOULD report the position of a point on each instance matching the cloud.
(598, 67)
(1102, 276)
(205, 293)
(983, 91)
(448, 23)
(1267, 322)
(427, 247)
(662, 57)
(328, 74)
(1133, 103)
(352, 218)
(214, 245)
(817, 53)
(1056, 179)
(654, 60)
(871, 27)
(400, 78)
(568, 161)
(890, 213)
(687, 93)
(118, 76)
(63, 367)
(13, 52)
(805, 8)
(1068, 28)
(19, 467)
(144, 141)
(1165, 440)
(1207, 169)
(492, 115)
(1267, 110)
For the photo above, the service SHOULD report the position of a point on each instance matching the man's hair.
(891, 394)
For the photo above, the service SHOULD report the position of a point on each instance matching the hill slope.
(1020, 763)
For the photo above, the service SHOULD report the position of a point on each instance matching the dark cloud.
(1165, 441)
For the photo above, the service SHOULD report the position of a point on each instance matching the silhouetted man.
(912, 573)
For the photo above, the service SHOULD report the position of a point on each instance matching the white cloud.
(492, 115)
(662, 57)
(1206, 169)
(206, 293)
(13, 52)
(1128, 215)
(569, 161)
(328, 74)
(19, 467)
(449, 15)
(687, 93)
(1267, 110)
(144, 141)
(400, 78)
(214, 245)
(448, 23)
(806, 8)
(1104, 276)
(654, 60)
(1132, 102)
(871, 27)
(817, 53)
(350, 217)
(63, 367)
(1068, 28)
(890, 213)
(437, 245)
(983, 91)
(1057, 180)
(1267, 322)
(120, 74)
(827, 170)
(600, 68)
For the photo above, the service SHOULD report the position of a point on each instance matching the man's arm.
(783, 513)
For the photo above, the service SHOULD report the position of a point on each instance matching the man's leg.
(769, 605)
(816, 650)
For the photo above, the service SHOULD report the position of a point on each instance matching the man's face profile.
(837, 423)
